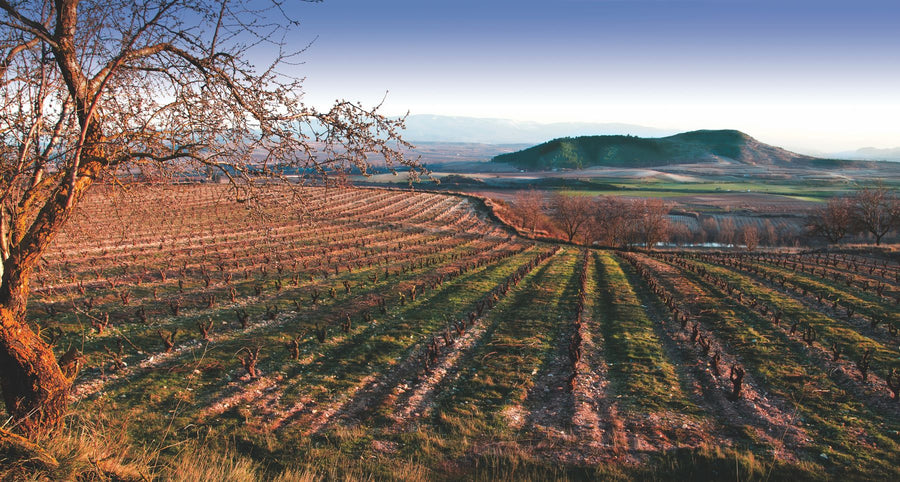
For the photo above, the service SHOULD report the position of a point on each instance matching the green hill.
(629, 151)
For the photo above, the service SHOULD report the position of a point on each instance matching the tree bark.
(35, 384)
(35, 389)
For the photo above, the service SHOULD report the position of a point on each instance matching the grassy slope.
(629, 151)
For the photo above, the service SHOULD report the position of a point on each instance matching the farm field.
(389, 334)
(778, 200)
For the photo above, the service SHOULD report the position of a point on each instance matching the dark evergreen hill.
(629, 151)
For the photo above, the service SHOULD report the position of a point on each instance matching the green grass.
(865, 301)
(639, 369)
(827, 410)
(658, 188)
(338, 364)
(522, 329)
(828, 329)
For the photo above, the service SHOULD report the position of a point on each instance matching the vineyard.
(406, 334)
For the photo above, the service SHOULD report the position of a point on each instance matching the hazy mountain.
(629, 151)
(871, 154)
(437, 128)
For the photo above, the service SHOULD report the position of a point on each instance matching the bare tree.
(571, 213)
(651, 221)
(770, 235)
(680, 233)
(529, 206)
(611, 221)
(750, 237)
(877, 211)
(711, 227)
(832, 221)
(726, 231)
(101, 89)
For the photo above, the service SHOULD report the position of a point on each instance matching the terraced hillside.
(404, 335)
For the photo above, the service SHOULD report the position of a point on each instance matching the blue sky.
(812, 75)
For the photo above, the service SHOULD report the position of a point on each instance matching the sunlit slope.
(629, 151)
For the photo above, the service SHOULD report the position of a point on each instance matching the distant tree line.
(619, 222)
(872, 212)
(622, 222)
(604, 220)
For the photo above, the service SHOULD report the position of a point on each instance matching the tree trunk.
(35, 384)
(35, 389)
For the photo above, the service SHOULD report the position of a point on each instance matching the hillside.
(386, 333)
(684, 148)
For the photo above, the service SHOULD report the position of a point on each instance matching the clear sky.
(814, 75)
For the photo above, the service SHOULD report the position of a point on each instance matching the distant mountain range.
(685, 148)
(474, 130)
(438, 128)
(870, 154)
